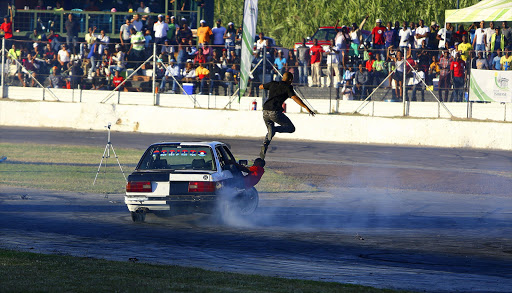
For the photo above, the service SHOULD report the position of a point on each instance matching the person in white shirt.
(480, 40)
(63, 57)
(160, 28)
(333, 57)
(419, 77)
(119, 58)
(405, 36)
(143, 8)
(488, 36)
(421, 34)
(172, 70)
(261, 43)
(103, 40)
(445, 36)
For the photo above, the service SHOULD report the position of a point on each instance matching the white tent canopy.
(487, 10)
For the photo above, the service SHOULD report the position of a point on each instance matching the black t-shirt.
(279, 91)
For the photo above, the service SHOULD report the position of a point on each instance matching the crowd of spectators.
(353, 64)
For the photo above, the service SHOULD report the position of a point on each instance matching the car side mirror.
(243, 162)
(308, 39)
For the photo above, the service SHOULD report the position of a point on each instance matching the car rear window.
(178, 157)
(324, 34)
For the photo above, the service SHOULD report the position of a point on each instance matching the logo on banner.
(501, 81)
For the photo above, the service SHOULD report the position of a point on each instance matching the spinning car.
(184, 177)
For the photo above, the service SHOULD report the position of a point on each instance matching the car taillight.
(201, 186)
(134, 186)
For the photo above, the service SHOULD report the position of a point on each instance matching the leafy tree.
(289, 21)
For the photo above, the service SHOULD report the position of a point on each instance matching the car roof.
(212, 144)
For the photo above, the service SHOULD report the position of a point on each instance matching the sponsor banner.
(248, 36)
(490, 86)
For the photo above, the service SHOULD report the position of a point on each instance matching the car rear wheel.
(247, 202)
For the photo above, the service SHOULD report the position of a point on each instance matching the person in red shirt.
(458, 71)
(316, 59)
(6, 27)
(255, 172)
(117, 80)
(378, 36)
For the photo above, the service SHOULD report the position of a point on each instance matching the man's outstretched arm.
(301, 103)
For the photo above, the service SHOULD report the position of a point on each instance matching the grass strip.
(31, 272)
(73, 168)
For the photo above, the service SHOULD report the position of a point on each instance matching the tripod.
(106, 155)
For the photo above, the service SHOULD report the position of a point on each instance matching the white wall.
(332, 128)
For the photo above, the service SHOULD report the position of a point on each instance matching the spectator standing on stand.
(421, 35)
(72, 29)
(488, 35)
(444, 76)
(419, 77)
(280, 63)
(160, 28)
(218, 36)
(137, 23)
(342, 42)
(480, 40)
(303, 60)
(103, 41)
(433, 43)
(203, 33)
(405, 35)
(6, 27)
(171, 32)
(458, 71)
(229, 37)
(497, 41)
(356, 38)
(389, 36)
(378, 36)
(444, 36)
(464, 48)
(125, 33)
(136, 52)
(184, 32)
(262, 42)
(507, 32)
(316, 60)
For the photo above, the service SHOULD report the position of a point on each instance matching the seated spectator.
(506, 60)
(202, 77)
(63, 57)
(50, 58)
(481, 62)
(419, 77)
(117, 80)
(200, 58)
(496, 61)
(98, 80)
(55, 79)
(30, 67)
(234, 76)
(143, 8)
(103, 41)
(361, 82)
(433, 70)
(378, 69)
(191, 50)
(119, 58)
(167, 51)
(147, 39)
(189, 74)
(171, 73)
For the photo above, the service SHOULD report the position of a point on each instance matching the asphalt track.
(423, 219)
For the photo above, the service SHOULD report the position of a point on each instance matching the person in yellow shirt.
(203, 33)
(464, 48)
(202, 76)
(506, 60)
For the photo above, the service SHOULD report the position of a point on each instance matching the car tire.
(247, 202)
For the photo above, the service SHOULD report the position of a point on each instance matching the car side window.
(222, 160)
(229, 155)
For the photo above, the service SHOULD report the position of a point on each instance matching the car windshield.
(324, 34)
(178, 157)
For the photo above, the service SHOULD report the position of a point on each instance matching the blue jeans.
(72, 39)
(480, 47)
(303, 72)
(174, 83)
(202, 85)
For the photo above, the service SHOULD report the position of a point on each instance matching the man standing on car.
(279, 91)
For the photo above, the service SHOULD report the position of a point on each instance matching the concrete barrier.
(329, 128)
